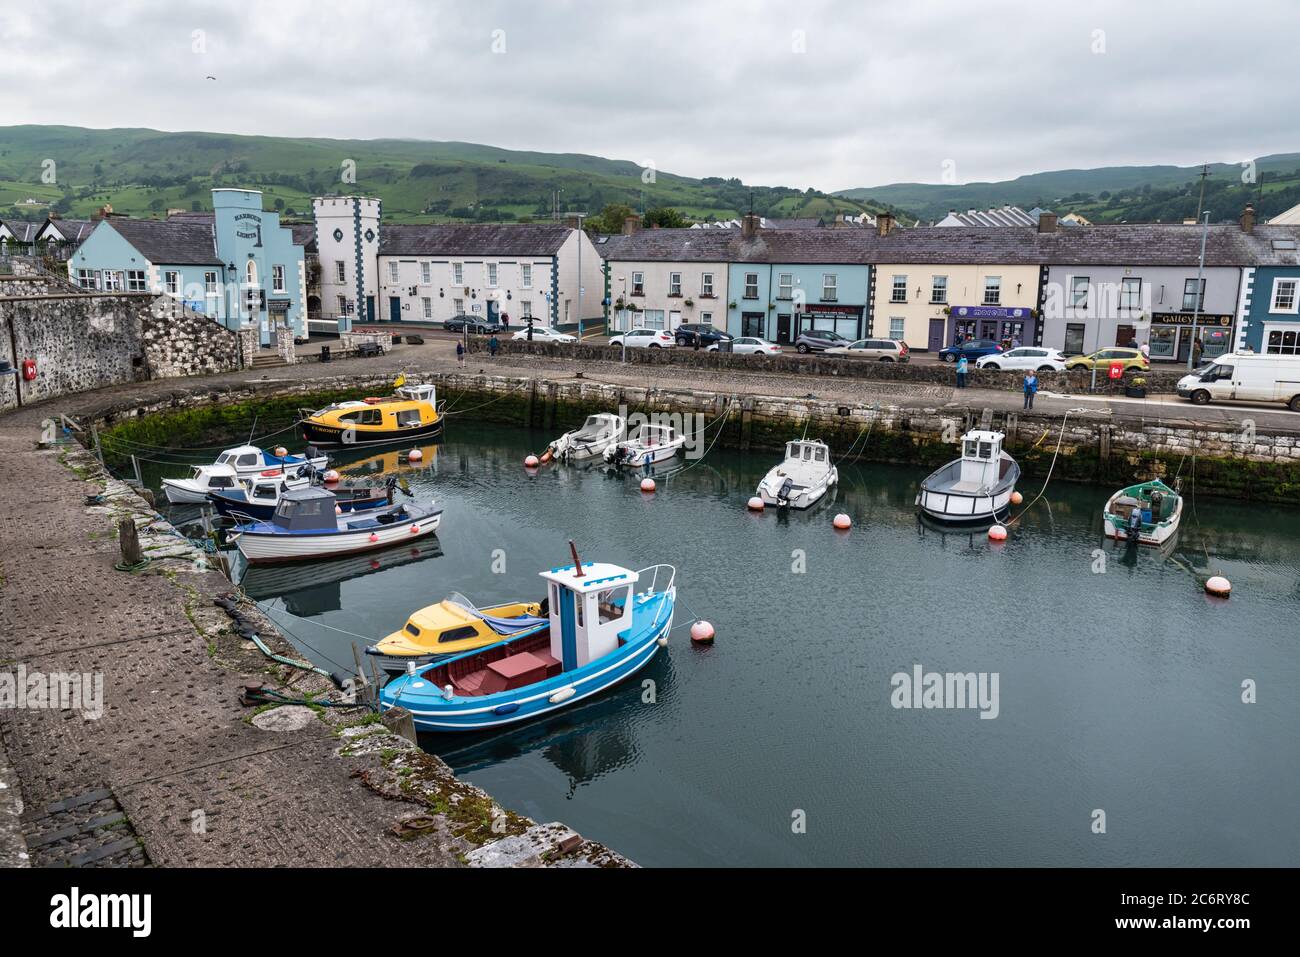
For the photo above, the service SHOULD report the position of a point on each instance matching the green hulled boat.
(1147, 513)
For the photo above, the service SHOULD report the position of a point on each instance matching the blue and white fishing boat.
(601, 630)
(257, 499)
(232, 467)
(306, 525)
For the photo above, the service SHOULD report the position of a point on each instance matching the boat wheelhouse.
(601, 431)
(258, 498)
(411, 412)
(975, 487)
(1147, 513)
(600, 631)
(203, 480)
(803, 478)
(647, 444)
(453, 626)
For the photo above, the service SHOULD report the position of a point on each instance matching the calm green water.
(1119, 690)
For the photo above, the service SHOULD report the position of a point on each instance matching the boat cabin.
(648, 434)
(806, 450)
(306, 510)
(419, 393)
(590, 608)
(245, 457)
(215, 477)
(981, 460)
(600, 425)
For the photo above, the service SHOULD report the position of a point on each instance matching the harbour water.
(1119, 683)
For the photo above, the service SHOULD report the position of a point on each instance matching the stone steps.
(268, 362)
(85, 830)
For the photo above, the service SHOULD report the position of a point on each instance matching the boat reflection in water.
(394, 461)
(316, 587)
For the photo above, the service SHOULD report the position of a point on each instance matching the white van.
(1246, 377)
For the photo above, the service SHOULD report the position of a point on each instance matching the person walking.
(1197, 348)
(493, 345)
(460, 353)
(1145, 349)
(1031, 388)
(962, 366)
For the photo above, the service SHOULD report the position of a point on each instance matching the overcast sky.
(817, 93)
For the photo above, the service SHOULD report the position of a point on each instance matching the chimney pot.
(631, 224)
(1248, 219)
(749, 226)
(884, 223)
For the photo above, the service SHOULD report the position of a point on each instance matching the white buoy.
(414, 455)
(281, 451)
(1218, 586)
(331, 476)
(842, 522)
(531, 461)
(756, 504)
(997, 533)
(647, 485)
(702, 633)
(564, 694)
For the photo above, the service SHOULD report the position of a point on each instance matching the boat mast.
(577, 562)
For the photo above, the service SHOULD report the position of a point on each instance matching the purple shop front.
(999, 323)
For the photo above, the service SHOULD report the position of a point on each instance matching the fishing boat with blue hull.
(258, 499)
(234, 466)
(601, 631)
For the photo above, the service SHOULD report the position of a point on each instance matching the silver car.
(882, 350)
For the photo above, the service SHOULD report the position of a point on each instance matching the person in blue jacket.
(1031, 388)
(962, 367)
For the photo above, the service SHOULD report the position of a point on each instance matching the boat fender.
(373, 538)
(268, 473)
(340, 681)
(564, 694)
(448, 693)
(1016, 498)
(662, 641)
(415, 529)
(547, 455)
(509, 708)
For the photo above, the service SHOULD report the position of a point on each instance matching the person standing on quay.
(1031, 388)
(460, 353)
(962, 367)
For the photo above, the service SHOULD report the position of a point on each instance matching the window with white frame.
(896, 328)
(751, 285)
(250, 272)
(830, 287)
(898, 291)
(426, 303)
(1079, 292)
(87, 279)
(210, 281)
(112, 281)
(652, 319)
(992, 290)
(426, 273)
(343, 305)
(674, 284)
(172, 282)
(939, 290)
(1130, 294)
(785, 285)
(1281, 341)
(1191, 301)
(638, 284)
(458, 274)
(706, 284)
(341, 271)
(1284, 295)
(526, 307)
(492, 274)
(277, 278)
(458, 306)
(392, 271)
(526, 275)
(706, 318)
(135, 280)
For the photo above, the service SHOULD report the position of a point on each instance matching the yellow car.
(1132, 359)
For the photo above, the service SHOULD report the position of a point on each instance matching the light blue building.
(779, 298)
(236, 264)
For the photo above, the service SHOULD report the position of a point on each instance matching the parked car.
(543, 334)
(1133, 360)
(882, 350)
(475, 324)
(750, 345)
(971, 349)
(686, 333)
(643, 338)
(1245, 377)
(1026, 357)
(818, 340)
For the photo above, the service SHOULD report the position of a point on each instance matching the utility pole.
(1205, 171)
(1196, 310)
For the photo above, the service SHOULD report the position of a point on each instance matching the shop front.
(846, 320)
(1009, 324)
(1172, 335)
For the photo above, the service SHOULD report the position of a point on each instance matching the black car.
(474, 323)
(688, 332)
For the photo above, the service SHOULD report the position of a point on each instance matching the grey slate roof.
(801, 222)
(488, 239)
(72, 230)
(1135, 245)
(179, 241)
(304, 234)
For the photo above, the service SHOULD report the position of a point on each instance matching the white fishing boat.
(1147, 513)
(203, 479)
(306, 525)
(249, 461)
(600, 432)
(803, 478)
(647, 444)
(977, 486)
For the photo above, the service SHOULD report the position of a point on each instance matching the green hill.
(1111, 194)
(144, 172)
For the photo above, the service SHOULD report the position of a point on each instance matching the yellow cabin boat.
(454, 626)
(409, 413)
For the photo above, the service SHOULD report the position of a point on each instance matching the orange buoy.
(842, 522)
(1016, 498)
(1218, 586)
(414, 455)
(998, 533)
(331, 476)
(647, 485)
(531, 461)
(756, 504)
(281, 451)
(415, 529)
(702, 633)
(547, 456)
(373, 538)
(338, 509)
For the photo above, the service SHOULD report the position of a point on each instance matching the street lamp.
(1196, 309)
(623, 340)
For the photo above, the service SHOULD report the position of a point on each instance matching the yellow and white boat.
(454, 626)
(411, 412)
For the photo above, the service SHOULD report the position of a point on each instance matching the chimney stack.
(573, 222)
(749, 225)
(1248, 219)
(884, 223)
(1047, 222)
(631, 224)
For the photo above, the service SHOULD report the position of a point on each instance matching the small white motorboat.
(203, 479)
(249, 461)
(977, 486)
(599, 433)
(803, 478)
(1147, 513)
(647, 444)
